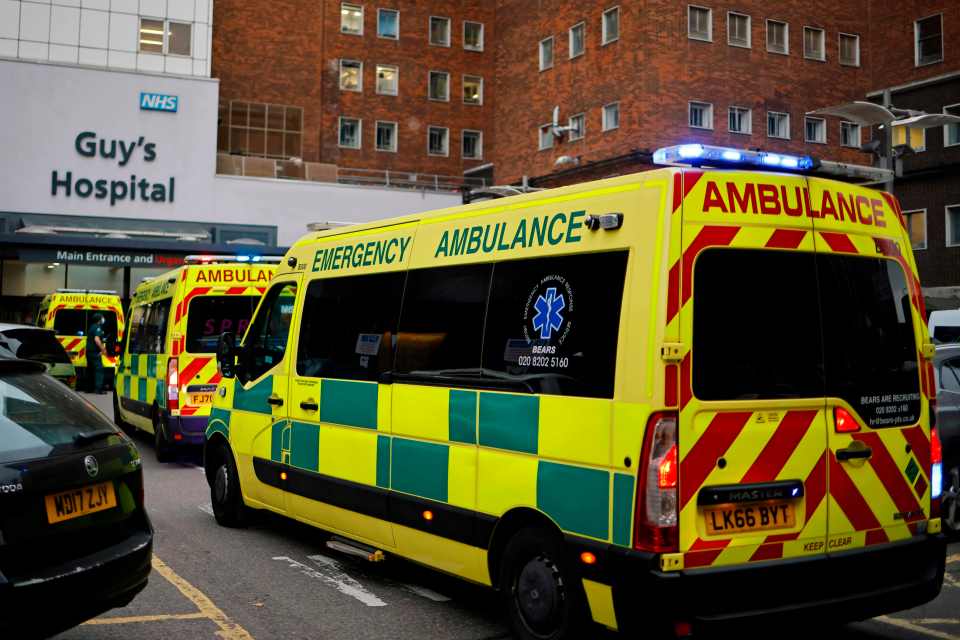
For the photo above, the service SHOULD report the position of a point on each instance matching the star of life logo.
(548, 313)
(549, 316)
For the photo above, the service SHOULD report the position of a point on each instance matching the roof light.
(698, 155)
(212, 259)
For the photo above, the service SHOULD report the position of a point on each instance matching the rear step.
(360, 550)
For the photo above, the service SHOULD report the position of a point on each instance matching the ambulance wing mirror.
(226, 354)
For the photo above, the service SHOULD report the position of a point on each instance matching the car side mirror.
(226, 354)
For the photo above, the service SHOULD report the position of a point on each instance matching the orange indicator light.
(428, 515)
(283, 475)
(588, 558)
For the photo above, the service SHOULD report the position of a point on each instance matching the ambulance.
(69, 312)
(167, 374)
(692, 396)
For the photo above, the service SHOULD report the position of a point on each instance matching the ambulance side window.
(267, 338)
(136, 332)
(156, 327)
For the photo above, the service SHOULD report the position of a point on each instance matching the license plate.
(197, 399)
(80, 502)
(740, 518)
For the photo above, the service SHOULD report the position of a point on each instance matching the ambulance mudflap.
(803, 414)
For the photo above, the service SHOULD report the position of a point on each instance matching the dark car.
(947, 370)
(75, 540)
(33, 343)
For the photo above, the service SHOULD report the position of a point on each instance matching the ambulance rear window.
(770, 324)
(209, 316)
(76, 322)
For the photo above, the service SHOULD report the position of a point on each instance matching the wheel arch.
(506, 527)
(211, 445)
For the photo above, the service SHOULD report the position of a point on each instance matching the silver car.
(40, 345)
(947, 371)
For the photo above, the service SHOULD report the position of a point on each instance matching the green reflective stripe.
(161, 394)
(152, 365)
(134, 364)
(126, 386)
(383, 462)
(419, 468)
(622, 508)
(350, 403)
(305, 446)
(255, 398)
(576, 498)
(463, 416)
(219, 422)
(276, 441)
(509, 421)
(141, 389)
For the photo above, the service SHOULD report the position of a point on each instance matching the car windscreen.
(209, 316)
(76, 322)
(774, 324)
(40, 417)
(34, 344)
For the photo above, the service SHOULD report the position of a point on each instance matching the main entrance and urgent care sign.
(102, 257)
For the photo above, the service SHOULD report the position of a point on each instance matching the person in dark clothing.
(96, 348)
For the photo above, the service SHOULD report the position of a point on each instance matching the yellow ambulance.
(167, 373)
(69, 312)
(693, 395)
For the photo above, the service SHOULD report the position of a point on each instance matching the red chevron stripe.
(72, 344)
(196, 291)
(702, 545)
(192, 369)
(895, 205)
(920, 486)
(773, 551)
(673, 291)
(920, 445)
(786, 239)
(217, 377)
(839, 242)
(261, 289)
(677, 191)
(176, 315)
(849, 499)
(188, 410)
(780, 447)
(686, 392)
(235, 291)
(709, 236)
(890, 476)
(814, 489)
(670, 382)
(876, 536)
(697, 464)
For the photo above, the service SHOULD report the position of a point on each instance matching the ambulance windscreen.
(210, 316)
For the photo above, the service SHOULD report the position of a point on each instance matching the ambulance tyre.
(225, 497)
(161, 445)
(543, 595)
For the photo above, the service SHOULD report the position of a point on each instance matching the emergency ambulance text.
(555, 229)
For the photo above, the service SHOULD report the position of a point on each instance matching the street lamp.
(886, 117)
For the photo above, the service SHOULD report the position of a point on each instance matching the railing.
(234, 165)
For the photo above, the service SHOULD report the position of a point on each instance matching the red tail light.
(173, 385)
(656, 518)
(844, 422)
(116, 349)
(936, 473)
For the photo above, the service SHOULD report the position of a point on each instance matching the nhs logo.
(158, 102)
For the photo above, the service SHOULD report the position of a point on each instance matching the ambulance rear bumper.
(190, 428)
(841, 587)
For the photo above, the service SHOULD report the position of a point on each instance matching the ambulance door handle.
(852, 453)
(275, 400)
(309, 405)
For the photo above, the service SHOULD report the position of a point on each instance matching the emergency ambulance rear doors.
(785, 318)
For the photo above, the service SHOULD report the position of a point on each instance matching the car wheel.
(225, 496)
(950, 505)
(543, 596)
(162, 446)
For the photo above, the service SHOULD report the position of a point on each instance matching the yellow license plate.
(200, 398)
(80, 502)
(741, 518)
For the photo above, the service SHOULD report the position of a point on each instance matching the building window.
(778, 125)
(439, 86)
(351, 75)
(739, 120)
(953, 225)
(611, 116)
(699, 23)
(610, 25)
(738, 30)
(928, 34)
(386, 136)
(349, 133)
(951, 132)
(577, 39)
(700, 115)
(438, 141)
(578, 125)
(813, 44)
(850, 135)
(440, 31)
(546, 53)
(472, 90)
(815, 130)
(472, 145)
(388, 24)
(388, 83)
(778, 37)
(913, 137)
(917, 227)
(159, 36)
(473, 36)
(262, 130)
(546, 137)
(849, 50)
(351, 19)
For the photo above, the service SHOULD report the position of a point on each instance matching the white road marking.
(330, 572)
(909, 626)
(429, 594)
(206, 508)
(937, 621)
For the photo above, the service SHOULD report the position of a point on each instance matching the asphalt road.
(277, 579)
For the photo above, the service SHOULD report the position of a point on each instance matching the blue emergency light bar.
(700, 155)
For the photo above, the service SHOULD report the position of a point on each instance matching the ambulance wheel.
(161, 444)
(225, 497)
(543, 596)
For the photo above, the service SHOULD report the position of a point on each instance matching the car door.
(259, 430)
